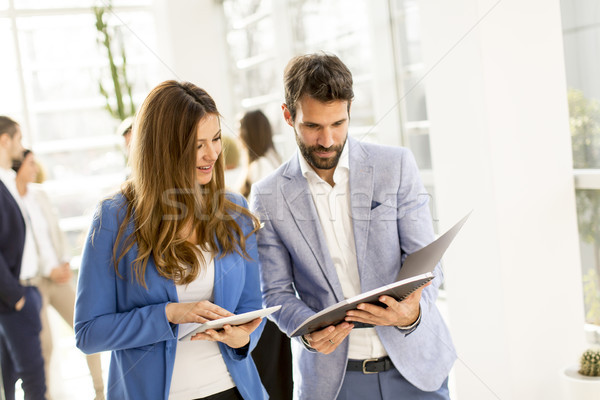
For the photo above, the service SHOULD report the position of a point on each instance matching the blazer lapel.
(298, 198)
(361, 196)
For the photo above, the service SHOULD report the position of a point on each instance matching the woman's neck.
(21, 187)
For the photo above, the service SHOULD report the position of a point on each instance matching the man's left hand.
(397, 313)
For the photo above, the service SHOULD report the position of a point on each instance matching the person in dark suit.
(20, 303)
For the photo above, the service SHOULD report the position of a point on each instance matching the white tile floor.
(70, 378)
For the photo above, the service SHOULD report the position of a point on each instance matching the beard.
(309, 154)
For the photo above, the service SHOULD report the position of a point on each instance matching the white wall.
(581, 33)
(192, 45)
(500, 145)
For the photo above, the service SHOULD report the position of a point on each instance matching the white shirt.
(199, 369)
(29, 263)
(48, 259)
(333, 208)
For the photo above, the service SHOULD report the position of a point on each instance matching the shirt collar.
(7, 175)
(343, 166)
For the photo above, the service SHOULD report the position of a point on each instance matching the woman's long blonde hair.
(162, 195)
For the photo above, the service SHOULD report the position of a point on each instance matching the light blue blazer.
(391, 219)
(119, 315)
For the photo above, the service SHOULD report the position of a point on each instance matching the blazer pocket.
(383, 210)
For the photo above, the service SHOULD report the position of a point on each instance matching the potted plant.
(110, 36)
(582, 382)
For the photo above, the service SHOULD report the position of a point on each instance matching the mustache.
(320, 148)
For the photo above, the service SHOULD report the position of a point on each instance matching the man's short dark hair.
(8, 125)
(322, 76)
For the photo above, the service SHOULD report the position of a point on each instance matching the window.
(378, 41)
(50, 82)
(581, 34)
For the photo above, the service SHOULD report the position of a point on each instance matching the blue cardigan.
(119, 315)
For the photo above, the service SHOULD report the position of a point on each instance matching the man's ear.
(4, 138)
(287, 115)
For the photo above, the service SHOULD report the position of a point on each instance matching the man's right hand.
(20, 304)
(328, 339)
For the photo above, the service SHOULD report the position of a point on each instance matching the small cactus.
(590, 363)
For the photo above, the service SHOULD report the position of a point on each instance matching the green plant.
(590, 363)
(122, 89)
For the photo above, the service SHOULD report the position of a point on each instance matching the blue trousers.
(20, 349)
(388, 385)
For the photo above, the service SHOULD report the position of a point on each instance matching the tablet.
(239, 319)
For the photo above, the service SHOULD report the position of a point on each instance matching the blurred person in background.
(54, 276)
(257, 136)
(273, 355)
(171, 248)
(20, 301)
(234, 171)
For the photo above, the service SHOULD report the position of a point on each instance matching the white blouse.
(199, 369)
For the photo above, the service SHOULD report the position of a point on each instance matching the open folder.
(189, 330)
(416, 271)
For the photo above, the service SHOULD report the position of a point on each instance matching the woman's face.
(208, 147)
(28, 170)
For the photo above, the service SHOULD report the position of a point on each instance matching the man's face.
(15, 147)
(28, 170)
(321, 130)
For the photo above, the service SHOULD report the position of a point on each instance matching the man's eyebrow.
(315, 123)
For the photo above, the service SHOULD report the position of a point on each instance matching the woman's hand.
(198, 312)
(233, 336)
(61, 274)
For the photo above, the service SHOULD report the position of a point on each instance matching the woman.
(257, 135)
(54, 277)
(172, 248)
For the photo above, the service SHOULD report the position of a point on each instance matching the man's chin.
(330, 163)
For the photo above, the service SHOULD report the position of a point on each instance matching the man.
(20, 302)
(339, 217)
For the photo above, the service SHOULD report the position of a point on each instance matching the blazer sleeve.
(101, 322)
(415, 226)
(250, 298)
(58, 237)
(277, 278)
(11, 290)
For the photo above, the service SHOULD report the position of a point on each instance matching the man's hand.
(397, 313)
(198, 312)
(20, 304)
(328, 339)
(61, 274)
(233, 336)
